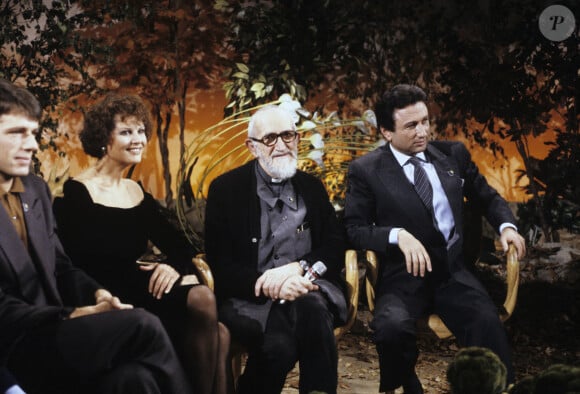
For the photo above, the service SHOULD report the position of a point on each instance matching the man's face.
(17, 145)
(279, 160)
(411, 132)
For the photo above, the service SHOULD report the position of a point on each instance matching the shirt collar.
(403, 158)
(267, 178)
(271, 192)
(17, 187)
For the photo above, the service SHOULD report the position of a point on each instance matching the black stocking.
(206, 344)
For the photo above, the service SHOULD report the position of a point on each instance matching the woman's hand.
(162, 280)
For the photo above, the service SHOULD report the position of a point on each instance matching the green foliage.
(248, 88)
(161, 50)
(491, 74)
(523, 386)
(558, 379)
(335, 48)
(39, 50)
(476, 370)
(272, 47)
(560, 214)
(556, 178)
(525, 84)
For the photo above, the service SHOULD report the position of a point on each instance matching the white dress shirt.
(441, 207)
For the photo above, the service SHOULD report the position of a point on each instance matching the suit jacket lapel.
(448, 173)
(26, 273)
(391, 175)
(13, 247)
(38, 239)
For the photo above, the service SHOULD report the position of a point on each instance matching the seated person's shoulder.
(73, 194)
(133, 187)
(127, 194)
(369, 160)
(79, 186)
(448, 147)
(33, 182)
(33, 179)
(84, 180)
(231, 178)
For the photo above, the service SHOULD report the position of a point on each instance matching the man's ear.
(251, 147)
(387, 134)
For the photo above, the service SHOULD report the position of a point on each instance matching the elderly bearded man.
(266, 223)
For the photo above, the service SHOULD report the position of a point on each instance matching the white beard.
(280, 167)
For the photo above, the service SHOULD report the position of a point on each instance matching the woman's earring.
(103, 149)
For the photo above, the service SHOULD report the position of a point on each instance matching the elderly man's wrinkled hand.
(296, 286)
(270, 282)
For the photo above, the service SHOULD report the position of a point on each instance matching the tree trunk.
(182, 105)
(521, 147)
(162, 138)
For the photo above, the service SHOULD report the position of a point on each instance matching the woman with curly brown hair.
(105, 222)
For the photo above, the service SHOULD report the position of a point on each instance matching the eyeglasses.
(271, 139)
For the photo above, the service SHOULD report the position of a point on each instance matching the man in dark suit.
(405, 201)
(60, 331)
(266, 223)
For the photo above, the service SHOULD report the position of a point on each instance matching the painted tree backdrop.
(495, 80)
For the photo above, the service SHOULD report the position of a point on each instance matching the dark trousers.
(468, 313)
(301, 330)
(113, 352)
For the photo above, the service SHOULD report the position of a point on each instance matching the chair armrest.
(434, 321)
(205, 275)
(371, 277)
(352, 290)
(512, 281)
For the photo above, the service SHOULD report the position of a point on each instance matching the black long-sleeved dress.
(106, 242)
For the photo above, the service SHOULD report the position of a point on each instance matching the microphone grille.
(319, 267)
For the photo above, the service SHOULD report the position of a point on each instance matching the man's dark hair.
(18, 101)
(400, 96)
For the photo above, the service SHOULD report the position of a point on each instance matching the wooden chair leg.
(236, 367)
(238, 356)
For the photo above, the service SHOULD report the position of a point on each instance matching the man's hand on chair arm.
(510, 235)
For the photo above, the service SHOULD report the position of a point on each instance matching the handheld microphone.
(312, 273)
